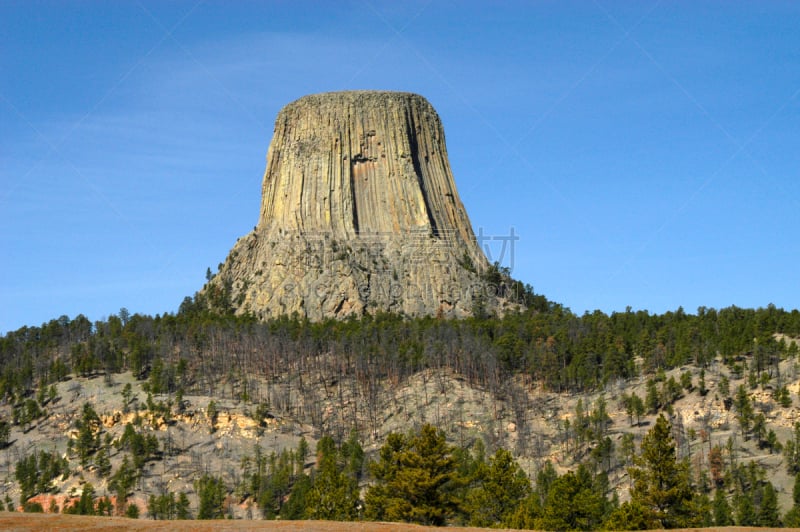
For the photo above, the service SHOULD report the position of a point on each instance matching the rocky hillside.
(198, 434)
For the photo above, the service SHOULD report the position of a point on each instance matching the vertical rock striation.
(359, 213)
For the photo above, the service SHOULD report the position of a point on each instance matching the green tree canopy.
(333, 494)
(661, 484)
(212, 492)
(575, 502)
(502, 486)
(415, 479)
(721, 509)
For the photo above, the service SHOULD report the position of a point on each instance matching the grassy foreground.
(15, 521)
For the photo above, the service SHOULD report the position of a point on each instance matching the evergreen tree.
(652, 398)
(744, 410)
(85, 504)
(501, 488)
(768, 512)
(796, 490)
(415, 479)
(88, 434)
(638, 408)
(334, 493)
(182, 507)
(599, 419)
(627, 449)
(212, 413)
(104, 506)
(745, 510)
(132, 511)
(300, 455)
(378, 496)
(270, 482)
(792, 517)
(296, 504)
(526, 514)
(103, 463)
(122, 481)
(471, 468)
(162, 506)
(530, 510)
(702, 383)
(5, 433)
(721, 509)
(35, 472)
(661, 483)
(211, 492)
(545, 478)
(631, 515)
(791, 451)
(352, 456)
(153, 509)
(33, 508)
(724, 386)
(574, 502)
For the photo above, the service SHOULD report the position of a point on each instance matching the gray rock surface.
(359, 213)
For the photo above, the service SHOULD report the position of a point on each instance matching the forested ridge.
(555, 347)
(276, 368)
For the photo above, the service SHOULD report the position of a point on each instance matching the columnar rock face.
(359, 213)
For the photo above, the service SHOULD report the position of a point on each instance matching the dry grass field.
(58, 522)
(10, 521)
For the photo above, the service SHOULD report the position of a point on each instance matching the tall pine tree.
(415, 479)
(333, 494)
(502, 486)
(661, 483)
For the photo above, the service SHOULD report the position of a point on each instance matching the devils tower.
(359, 213)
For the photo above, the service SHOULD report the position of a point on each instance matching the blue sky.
(645, 153)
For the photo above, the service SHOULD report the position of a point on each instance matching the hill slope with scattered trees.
(638, 420)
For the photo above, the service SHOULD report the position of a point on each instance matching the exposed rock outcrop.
(359, 213)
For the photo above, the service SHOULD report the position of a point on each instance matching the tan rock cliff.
(359, 213)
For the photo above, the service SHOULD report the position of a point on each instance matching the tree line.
(196, 349)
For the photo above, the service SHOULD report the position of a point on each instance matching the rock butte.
(359, 213)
